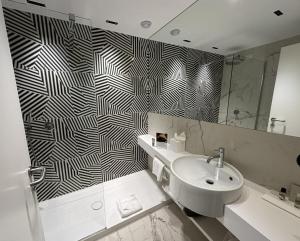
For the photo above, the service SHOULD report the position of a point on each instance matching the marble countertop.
(250, 218)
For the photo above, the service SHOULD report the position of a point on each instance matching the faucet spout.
(212, 157)
(220, 155)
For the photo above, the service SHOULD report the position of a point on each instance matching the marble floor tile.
(165, 224)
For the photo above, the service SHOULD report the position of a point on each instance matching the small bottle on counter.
(282, 193)
(297, 201)
(153, 141)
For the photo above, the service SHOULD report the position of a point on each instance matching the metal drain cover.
(97, 205)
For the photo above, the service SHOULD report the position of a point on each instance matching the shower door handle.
(33, 170)
(273, 120)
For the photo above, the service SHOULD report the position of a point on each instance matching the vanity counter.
(250, 218)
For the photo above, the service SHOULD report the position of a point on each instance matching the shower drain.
(97, 205)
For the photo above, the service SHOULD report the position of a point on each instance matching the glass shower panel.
(245, 91)
(270, 74)
(225, 90)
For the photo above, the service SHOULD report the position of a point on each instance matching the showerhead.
(234, 60)
(72, 19)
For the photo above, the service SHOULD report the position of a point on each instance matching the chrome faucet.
(220, 155)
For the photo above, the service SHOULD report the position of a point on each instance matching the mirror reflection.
(259, 88)
(253, 84)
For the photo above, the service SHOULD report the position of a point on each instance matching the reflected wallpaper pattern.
(85, 93)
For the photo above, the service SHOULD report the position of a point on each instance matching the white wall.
(286, 97)
(14, 156)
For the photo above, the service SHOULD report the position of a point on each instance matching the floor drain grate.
(97, 205)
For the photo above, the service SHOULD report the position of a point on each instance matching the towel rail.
(166, 174)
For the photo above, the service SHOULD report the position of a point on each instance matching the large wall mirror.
(255, 82)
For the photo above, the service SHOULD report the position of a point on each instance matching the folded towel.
(129, 206)
(157, 168)
(181, 137)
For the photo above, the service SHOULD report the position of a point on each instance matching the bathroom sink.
(203, 187)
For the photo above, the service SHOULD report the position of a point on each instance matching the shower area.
(71, 216)
(53, 63)
(83, 94)
(247, 89)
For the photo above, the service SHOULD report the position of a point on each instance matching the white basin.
(202, 187)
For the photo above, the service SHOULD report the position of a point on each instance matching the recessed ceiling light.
(215, 47)
(112, 22)
(278, 13)
(187, 41)
(175, 32)
(146, 24)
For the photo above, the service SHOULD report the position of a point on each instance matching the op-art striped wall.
(85, 93)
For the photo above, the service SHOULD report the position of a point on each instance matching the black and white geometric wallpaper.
(85, 93)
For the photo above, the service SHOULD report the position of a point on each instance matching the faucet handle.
(219, 150)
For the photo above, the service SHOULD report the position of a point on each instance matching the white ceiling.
(231, 25)
(128, 13)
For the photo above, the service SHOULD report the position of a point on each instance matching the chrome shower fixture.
(72, 17)
(274, 120)
(49, 125)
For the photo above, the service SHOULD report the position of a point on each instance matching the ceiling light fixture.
(112, 22)
(175, 32)
(146, 24)
(278, 13)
